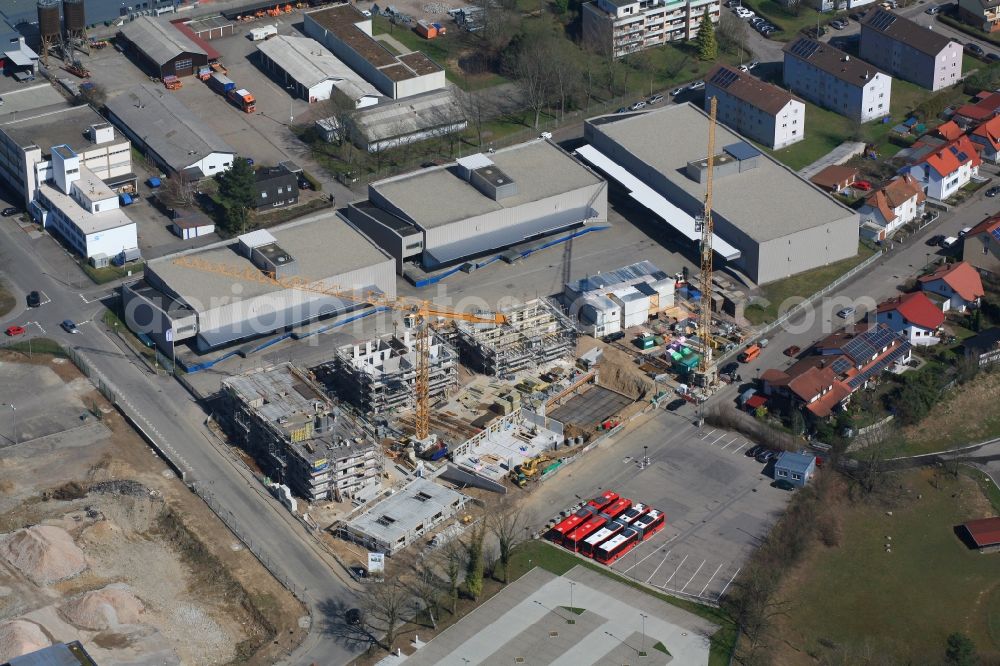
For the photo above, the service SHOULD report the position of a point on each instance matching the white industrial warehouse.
(769, 222)
(447, 214)
(314, 73)
(615, 300)
(206, 307)
(175, 138)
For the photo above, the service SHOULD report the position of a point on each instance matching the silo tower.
(48, 26)
(76, 24)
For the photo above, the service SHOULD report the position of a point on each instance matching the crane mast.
(707, 227)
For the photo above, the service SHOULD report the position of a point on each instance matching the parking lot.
(718, 502)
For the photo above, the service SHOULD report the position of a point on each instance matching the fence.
(792, 312)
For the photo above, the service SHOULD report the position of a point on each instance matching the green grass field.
(902, 604)
(801, 286)
(37, 346)
(558, 561)
(7, 300)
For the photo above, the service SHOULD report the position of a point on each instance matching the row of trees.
(460, 567)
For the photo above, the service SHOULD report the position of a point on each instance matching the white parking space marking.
(716, 573)
(707, 434)
(714, 441)
(693, 575)
(45, 300)
(728, 583)
(648, 555)
(730, 442)
(740, 447)
(659, 565)
(675, 572)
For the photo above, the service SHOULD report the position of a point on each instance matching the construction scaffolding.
(534, 334)
(299, 437)
(379, 376)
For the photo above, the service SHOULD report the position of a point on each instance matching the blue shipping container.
(153, 182)
(125, 199)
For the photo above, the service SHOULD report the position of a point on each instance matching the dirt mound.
(618, 372)
(20, 637)
(44, 553)
(105, 608)
(102, 531)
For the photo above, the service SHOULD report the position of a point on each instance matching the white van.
(949, 241)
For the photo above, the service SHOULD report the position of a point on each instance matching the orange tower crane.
(707, 228)
(423, 314)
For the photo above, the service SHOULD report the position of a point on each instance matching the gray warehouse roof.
(309, 62)
(322, 246)
(167, 126)
(161, 42)
(400, 514)
(67, 125)
(437, 196)
(400, 118)
(768, 202)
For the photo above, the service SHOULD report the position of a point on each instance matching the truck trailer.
(243, 99)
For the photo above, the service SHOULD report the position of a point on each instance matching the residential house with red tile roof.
(840, 364)
(981, 246)
(984, 534)
(835, 178)
(914, 316)
(987, 139)
(945, 170)
(887, 209)
(958, 282)
(949, 131)
(979, 111)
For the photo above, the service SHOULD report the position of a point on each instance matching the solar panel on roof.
(742, 150)
(859, 349)
(804, 48)
(891, 358)
(963, 156)
(882, 20)
(880, 337)
(724, 77)
(840, 365)
(996, 233)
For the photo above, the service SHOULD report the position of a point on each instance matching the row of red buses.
(558, 533)
(575, 539)
(616, 546)
(632, 514)
(599, 537)
(602, 500)
(649, 524)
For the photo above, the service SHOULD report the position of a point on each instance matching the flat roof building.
(392, 124)
(313, 71)
(769, 222)
(41, 120)
(482, 203)
(299, 437)
(170, 133)
(164, 49)
(402, 517)
(214, 305)
(348, 33)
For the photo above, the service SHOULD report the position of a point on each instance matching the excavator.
(520, 475)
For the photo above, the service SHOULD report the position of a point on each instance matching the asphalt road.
(170, 416)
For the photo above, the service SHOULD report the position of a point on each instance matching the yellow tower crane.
(707, 228)
(423, 313)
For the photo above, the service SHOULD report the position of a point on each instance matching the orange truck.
(426, 30)
(749, 354)
(243, 99)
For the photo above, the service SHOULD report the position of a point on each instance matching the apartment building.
(765, 113)
(909, 51)
(621, 27)
(836, 81)
(983, 14)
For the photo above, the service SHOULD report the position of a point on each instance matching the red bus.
(633, 514)
(602, 500)
(559, 532)
(611, 550)
(599, 537)
(650, 524)
(616, 508)
(575, 539)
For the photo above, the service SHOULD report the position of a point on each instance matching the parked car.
(753, 64)
(675, 404)
(360, 572)
(69, 326)
(862, 185)
(639, 105)
(764, 456)
(624, 109)
(846, 313)
(857, 16)
(838, 24)
(948, 241)
(993, 57)
(676, 91)
(754, 450)
(34, 299)
(697, 85)
(935, 240)
(8, 211)
(993, 191)
(614, 337)
(730, 368)
(933, 9)
(792, 351)
(655, 99)
(975, 49)
(782, 484)
(15, 330)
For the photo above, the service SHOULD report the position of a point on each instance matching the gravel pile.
(106, 608)
(20, 637)
(43, 553)
(436, 8)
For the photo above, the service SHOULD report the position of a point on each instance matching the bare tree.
(455, 557)
(426, 588)
(531, 66)
(508, 527)
(500, 23)
(566, 72)
(385, 603)
(175, 192)
(753, 606)
(732, 33)
(476, 106)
